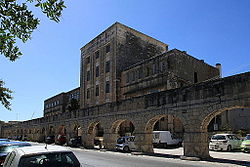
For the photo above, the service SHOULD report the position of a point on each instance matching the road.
(96, 158)
(161, 158)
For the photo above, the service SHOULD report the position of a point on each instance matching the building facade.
(106, 56)
(59, 103)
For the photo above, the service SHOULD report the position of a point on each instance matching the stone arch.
(91, 134)
(76, 129)
(115, 127)
(145, 139)
(205, 122)
(91, 127)
(62, 130)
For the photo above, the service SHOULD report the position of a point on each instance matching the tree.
(17, 22)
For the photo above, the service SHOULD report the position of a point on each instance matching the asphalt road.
(95, 158)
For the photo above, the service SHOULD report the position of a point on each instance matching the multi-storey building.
(122, 62)
(170, 70)
(106, 56)
(60, 102)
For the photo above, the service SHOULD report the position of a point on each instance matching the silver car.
(41, 156)
(224, 142)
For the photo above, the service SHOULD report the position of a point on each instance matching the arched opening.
(126, 128)
(224, 125)
(61, 137)
(164, 132)
(121, 130)
(95, 135)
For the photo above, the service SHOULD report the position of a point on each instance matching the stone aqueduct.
(194, 105)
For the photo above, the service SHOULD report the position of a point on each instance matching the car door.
(131, 143)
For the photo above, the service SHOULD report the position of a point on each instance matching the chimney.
(218, 66)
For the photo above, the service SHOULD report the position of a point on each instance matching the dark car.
(50, 139)
(61, 139)
(6, 147)
(75, 142)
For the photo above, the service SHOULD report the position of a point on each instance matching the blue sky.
(216, 31)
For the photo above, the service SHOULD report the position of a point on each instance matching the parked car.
(41, 156)
(224, 142)
(75, 141)
(4, 140)
(164, 139)
(6, 147)
(61, 139)
(245, 145)
(50, 139)
(125, 143)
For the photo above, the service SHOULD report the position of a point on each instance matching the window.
(88, 60)
(88, 75)
(97, 71)
(133, 76)
(108, 48)
(127, 78)
(107, 87)
(88, 93)
(107, 67)
(97, 90)
(140, 73)
(147, 71)
(195, 77)
(97, 54)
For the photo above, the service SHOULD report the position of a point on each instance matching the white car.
(41, 156)
(126, 143)
(224, 142)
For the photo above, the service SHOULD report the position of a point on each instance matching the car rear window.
(219, 137)
(60, 159)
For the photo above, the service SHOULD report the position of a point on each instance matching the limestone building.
(106, 56)
(122, 62)
(61, 102)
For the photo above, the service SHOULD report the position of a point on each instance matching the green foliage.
(5, 95)
(17, 22)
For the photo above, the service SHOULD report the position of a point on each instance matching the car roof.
(224, 134)
(40, 149)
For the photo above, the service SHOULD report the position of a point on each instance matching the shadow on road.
(217, 160)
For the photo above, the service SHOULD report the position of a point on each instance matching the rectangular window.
(108, 48)
(147, 71)
(97, 90)
(140, 73)
(107, 66)
(127, 78)
(88, 75)
(107, 87)
(97, 71)
(88, 93)
(88, 60)
(133, 76)
(195, 77)
(97, 54)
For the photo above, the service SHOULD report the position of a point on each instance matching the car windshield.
(218, 137)
(63, 159)
(120, 140)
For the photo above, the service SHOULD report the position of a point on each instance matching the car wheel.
(229, 148)
(126, 149)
